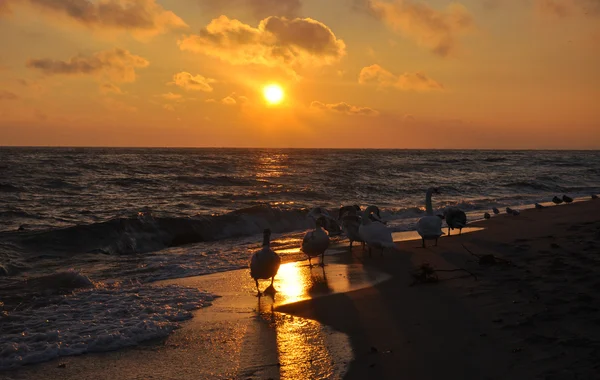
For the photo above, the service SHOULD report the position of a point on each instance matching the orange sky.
(356, 73)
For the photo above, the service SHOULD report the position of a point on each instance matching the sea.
(84, 232)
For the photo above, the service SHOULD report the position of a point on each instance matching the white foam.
(95, 320)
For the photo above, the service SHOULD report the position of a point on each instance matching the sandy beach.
(531, 312)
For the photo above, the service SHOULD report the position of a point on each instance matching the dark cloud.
(259, 8)
(7, 95)
(134, 15)
(345, 108)
(275, 42)
(116, 65)
(435, 30)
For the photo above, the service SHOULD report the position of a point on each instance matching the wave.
(535, 185)
(94, 320)
(147, 233)
(215, 181)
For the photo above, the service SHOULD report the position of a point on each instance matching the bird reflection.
(318, 283)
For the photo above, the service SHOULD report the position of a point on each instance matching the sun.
(273, 94)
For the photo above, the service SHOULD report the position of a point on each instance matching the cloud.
(7, 95)
(192, 83)
(229, 101)
(137, 16)
(259, 8)
(435, 30)
(106, 88)
(277, 41)
(169, 107)
(345, 108)
(565, 8)
(171, 96)
(116, 65)
(418, 81)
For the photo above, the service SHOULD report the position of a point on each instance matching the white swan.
(265, 263)
(430, 227)
(351, 223)
(374, 233)
(316, 242)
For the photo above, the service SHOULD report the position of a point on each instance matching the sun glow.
(273, 94)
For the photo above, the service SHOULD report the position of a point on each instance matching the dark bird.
(455, 218)
(539, 206)
(557, 200)
(496, 211)
(594, 196)
(509, 210)
(516, 212)
(487, 215)
(265, 263)
(349, 215)
(316, 242)
(567, 199)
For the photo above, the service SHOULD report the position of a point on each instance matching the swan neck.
(428, 206)
(266, 240)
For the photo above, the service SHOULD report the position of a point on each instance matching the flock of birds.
(365, 227)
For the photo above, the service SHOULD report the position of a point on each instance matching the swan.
(351, 223)
(567, 199)
(455, 218)
(539, 206)
(316, 242)
(496, 211)
(265, 263)
(430, 227)
(373, 231)
(487, 215)
(557, 200)
(329, 223)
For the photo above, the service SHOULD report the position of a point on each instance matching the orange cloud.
(345, 108)
(7, 95)
(277, 41)
(565, 8)
(106, 88)
(435, 30)
(171, 96)
(259, 8)
(194, 83)
(116, 65)
(144, 16)
(418, 81)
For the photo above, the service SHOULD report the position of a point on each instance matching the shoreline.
(493, 328)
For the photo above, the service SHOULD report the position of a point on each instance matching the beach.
(533, 312)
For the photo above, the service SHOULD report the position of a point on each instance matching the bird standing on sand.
(516, 212)
(374, 233)
(351, 223)
(594, 196)
(316, 242)
(509, 210)
(557, 200)
(496, 211)
(455, 218)
(265, 263)
(430, 227)
(567, 199)
(539, 206)
(487, 215)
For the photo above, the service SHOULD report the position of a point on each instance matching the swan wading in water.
(316, 242)
(373, 231)
(455, 218)
(265, 263)
(430, 227)
(351, 223)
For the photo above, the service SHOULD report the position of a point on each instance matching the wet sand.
(360, 318)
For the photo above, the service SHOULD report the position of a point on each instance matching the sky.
(482, 74)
